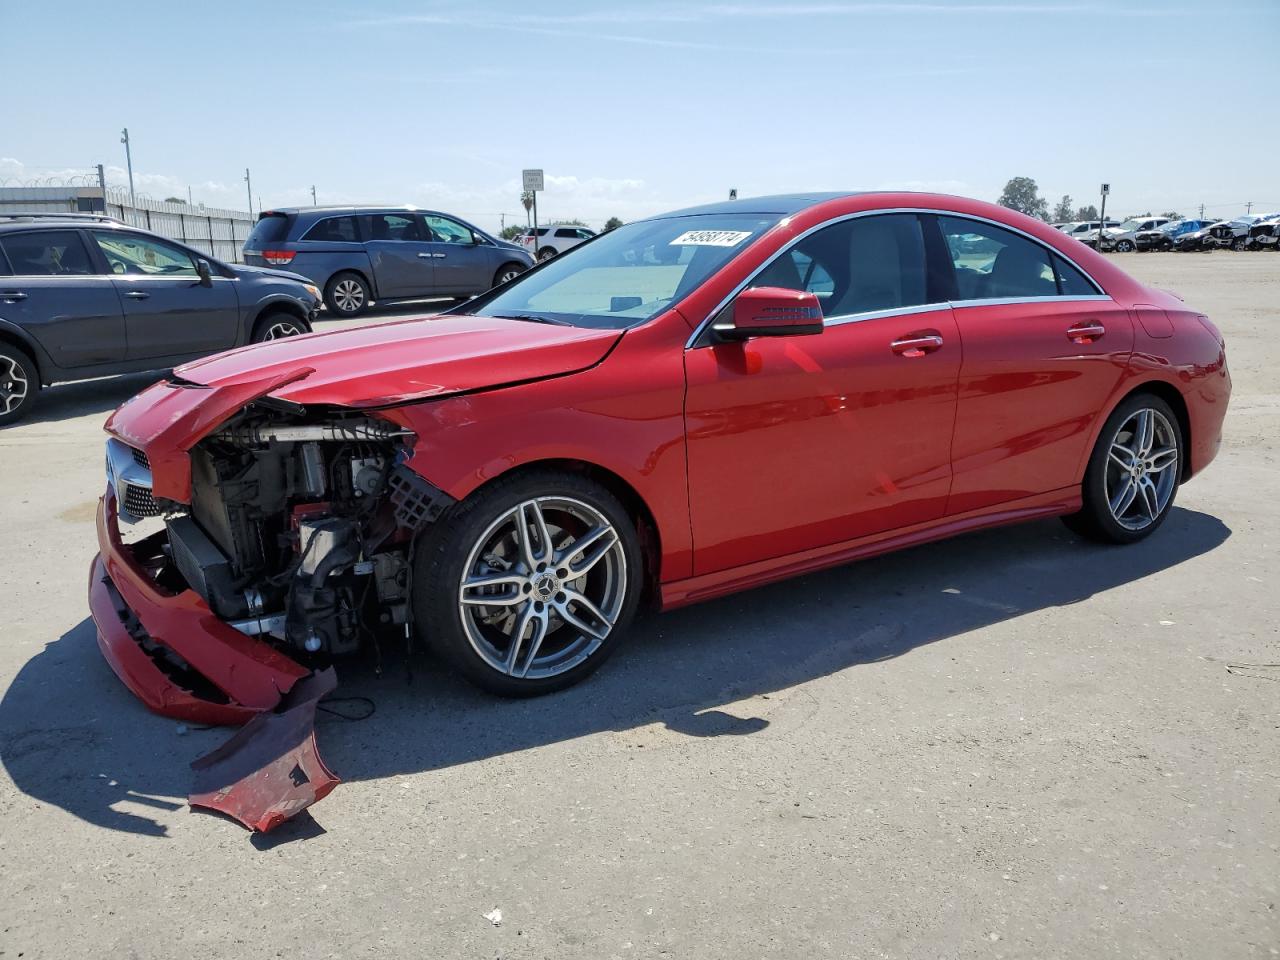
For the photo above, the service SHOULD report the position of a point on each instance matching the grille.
(139, 501)
(140, 458)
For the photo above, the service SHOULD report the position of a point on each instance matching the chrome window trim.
(706, 323)
(842, 319)
(1001, 301)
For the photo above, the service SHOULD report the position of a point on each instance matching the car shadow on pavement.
(73, 737)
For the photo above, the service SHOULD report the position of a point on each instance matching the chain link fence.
(219, 233)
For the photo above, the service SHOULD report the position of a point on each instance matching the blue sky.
(634, 108)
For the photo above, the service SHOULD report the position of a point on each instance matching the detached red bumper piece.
(169, 648)
(270, 770)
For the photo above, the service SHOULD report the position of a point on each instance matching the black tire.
(19, 384)
(347, 294)
(507, 272)
(1096, 519)
(546, 253)
(1240, 245)
(1124, 246)
(277, 326)
(445, 548)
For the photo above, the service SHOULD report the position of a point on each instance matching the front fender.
(625, 415)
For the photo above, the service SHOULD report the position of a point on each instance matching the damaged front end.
(286, 542)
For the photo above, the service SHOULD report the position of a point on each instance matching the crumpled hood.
(408, 359)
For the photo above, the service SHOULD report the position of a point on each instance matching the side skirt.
(679, 593)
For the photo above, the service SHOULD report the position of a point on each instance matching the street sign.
(533, 180)
(1106, 188)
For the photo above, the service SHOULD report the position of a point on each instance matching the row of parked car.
(1184, 235)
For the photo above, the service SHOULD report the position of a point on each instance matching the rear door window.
(1071, 282)
(993, 263)
(47, 253)
(334, 230)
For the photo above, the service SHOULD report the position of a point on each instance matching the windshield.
(626, 276)
(1130, 225)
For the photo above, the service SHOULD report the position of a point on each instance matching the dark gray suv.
(360, 254)
(84, 296)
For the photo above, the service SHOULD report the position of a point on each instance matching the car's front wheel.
(528, 586)
(1133, 473)
(19, 383)
(546, 253)
(1124, 246)
(506, 273)
(277, 326)
(346, 294)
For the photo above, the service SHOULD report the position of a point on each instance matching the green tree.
(1171, 215)
(1022, 194)
(567, 223)
(1087, 213)
(1063, 211)
(613, 223)
(511, 232)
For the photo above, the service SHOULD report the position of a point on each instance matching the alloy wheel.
(508, 275)
(348, 295)
(13, 385)
(1142, 469)
(543, 587)
(281, 329)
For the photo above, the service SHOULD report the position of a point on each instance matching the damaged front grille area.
(138, 500)
(299, 527)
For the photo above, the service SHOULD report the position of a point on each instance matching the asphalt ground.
(1011, 744)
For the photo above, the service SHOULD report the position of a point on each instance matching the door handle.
(137, 294)
(440, 256)
(12, 296)
(425, 256)
(916, 346)
(1086, 332)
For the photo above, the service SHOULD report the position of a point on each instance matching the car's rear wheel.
(1133, 474)
(19, 384)
(346, 294)
(1124, 246)
(1240, 244)
(546, 253)
(529, 586)
(506, 273)
(277, 326)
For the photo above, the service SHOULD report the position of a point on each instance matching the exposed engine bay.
(300, 525)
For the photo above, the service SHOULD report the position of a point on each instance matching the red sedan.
(683, 407)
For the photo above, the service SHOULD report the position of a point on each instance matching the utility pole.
(190, 202)
(1202, 211)
(1248, 208)
(248, 188)
(128, 159)
(313, 195)
(1102, 216)
(102, 185)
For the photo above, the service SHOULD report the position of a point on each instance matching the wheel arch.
(1177, 403)
(10, 336)
(642, 516)
(359, 271)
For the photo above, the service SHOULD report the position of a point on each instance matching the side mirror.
(204, 273)
(772, 312)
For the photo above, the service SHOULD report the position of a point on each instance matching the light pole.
(248, 189)
(128, 160)
(313, 195)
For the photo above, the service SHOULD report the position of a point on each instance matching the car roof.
(782, 203)
(347, 208)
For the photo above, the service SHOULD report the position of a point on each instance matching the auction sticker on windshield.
(710, 238)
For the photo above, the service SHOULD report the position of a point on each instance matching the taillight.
(278, 258)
